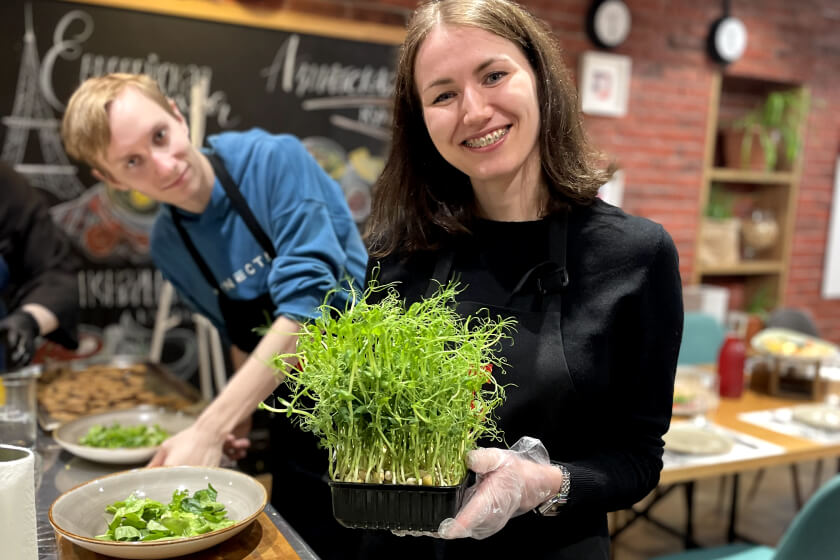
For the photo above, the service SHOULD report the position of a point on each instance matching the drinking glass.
(18, 407)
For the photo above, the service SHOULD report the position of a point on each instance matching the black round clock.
(608, 22)
(727, 39)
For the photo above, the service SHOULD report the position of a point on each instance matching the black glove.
(18, 332)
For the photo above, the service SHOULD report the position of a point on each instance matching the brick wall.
(660, 143)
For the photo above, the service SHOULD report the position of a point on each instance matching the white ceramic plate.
(79, 514)
(68, 435)
(819, 416)
(695, 440)
(794, 346)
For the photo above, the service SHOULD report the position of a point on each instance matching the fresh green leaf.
(391, 391)
(136, 519)
(116, 436)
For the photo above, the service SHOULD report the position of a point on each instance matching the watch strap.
(553, 504)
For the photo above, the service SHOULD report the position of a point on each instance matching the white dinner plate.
(820, 416)
(695, 440)
(79, 514)
(68, 435)
(793, 346)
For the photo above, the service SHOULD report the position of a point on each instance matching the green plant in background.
(721, 203)
(396, 394)
(761, 302)
(776, 120)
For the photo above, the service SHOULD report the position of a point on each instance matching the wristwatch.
(552, 505)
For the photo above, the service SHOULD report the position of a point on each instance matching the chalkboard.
(332, 93)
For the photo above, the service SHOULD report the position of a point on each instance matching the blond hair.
(85, 128)
(420, 198)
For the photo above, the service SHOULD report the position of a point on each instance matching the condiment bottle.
(731, 366)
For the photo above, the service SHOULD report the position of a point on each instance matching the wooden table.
(794, 450)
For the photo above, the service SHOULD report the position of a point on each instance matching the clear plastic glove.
(509, 482)
(18, 332)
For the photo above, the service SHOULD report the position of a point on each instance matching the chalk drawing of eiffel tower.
(30, 113)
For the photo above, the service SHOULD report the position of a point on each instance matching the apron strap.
(550, 276)
(559, 277)
(443, 266)
(240, 206)
(196, 256)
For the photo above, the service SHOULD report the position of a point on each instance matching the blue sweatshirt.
(300, 208)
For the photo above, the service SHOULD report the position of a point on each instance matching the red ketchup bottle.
(731, 366)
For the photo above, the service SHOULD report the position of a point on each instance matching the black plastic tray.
(395, 506)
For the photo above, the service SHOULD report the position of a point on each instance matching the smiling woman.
(490, 180)
(481, 113)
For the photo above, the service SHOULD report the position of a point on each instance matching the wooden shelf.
(744, 268)
(760, 281)
(750, 176)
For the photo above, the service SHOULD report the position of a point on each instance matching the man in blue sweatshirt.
(251, 233)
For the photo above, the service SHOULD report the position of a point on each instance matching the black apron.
(538, 406)
(241, 316)
(537, 361)
(300, 491)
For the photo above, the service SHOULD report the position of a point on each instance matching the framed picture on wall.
(831, 271)
(604, 84)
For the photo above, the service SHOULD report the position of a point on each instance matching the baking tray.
(158, 387)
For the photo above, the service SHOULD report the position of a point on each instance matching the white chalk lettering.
(324, 79)
(119, 288)
(175, 80)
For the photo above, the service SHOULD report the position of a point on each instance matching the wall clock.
(727, 39)
(608, 22)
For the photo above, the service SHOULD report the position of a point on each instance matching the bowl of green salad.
(121, 437)
(158, 512)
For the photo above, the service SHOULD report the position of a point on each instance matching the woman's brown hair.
(420, 198)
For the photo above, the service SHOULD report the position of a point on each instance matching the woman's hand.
(509, 482)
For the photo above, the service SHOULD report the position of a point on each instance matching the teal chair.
(813, 534)
(702, 338)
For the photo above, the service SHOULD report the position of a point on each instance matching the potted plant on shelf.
(720, 230)
(756, 140)
(398, 396)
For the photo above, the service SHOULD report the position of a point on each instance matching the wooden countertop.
(260, 540)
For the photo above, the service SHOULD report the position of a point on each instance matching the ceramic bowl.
(79, 514)
(68, 435)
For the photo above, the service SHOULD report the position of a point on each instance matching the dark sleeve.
(41, 263)
(624, 466)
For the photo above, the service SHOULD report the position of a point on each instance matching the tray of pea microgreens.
(398, 395)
